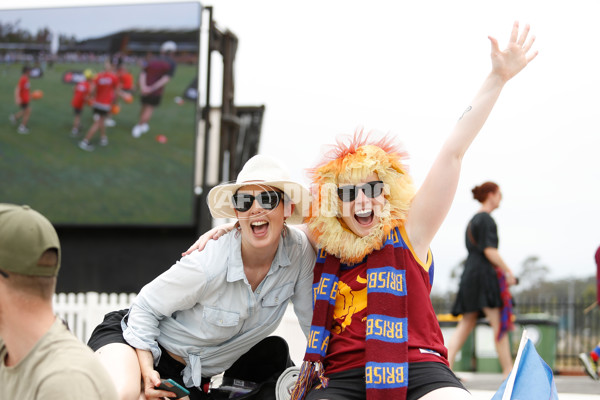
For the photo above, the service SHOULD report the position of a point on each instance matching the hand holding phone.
(172, 386)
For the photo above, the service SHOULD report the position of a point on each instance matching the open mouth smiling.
(259, 227)
(364, 217)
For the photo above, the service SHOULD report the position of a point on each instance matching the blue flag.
(531, 377)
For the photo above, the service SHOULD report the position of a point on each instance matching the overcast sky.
(323, 68)
(99, 20)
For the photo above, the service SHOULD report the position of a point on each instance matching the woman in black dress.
(479, 293)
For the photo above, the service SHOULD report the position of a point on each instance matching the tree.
(43, 35)
(563, 289)
(11, 33)
(533, 274)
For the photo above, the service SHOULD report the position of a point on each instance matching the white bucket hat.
(260, 170)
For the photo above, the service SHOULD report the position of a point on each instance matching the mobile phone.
(172, 386)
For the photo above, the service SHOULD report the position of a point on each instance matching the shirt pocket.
(218, 325)
(220, 318)
(279, 295)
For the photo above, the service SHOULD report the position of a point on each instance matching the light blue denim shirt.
(204, 310)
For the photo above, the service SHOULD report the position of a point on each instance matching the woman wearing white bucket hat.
(265, 172)
(196, 319)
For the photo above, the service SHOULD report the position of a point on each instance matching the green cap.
(25, 235)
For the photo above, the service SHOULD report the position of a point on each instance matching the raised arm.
(433, 199)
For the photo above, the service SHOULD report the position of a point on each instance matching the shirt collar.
(235, 265)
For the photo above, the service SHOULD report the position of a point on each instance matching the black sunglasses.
(370, 189)
(4, 274)
(242, 202)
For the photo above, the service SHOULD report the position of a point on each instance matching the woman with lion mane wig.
(373, 323)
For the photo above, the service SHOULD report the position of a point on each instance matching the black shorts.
(110, 331)
(101, 112)
(424, 377)
(271, 353)
(24, 106)
(151, 100)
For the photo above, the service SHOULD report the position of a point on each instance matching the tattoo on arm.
(466, 111)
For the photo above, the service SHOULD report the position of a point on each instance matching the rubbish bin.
(465, 358)
(542, 329)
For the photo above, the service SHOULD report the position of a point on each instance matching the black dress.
(479, 284)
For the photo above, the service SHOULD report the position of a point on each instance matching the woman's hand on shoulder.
(213, 234)
(311, 239)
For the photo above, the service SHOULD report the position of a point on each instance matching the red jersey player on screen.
(80, 96)
(105, 87)
(22, 100)
(126, 83)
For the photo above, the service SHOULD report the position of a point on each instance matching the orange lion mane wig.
(353, 162)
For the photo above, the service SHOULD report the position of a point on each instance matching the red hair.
(481, 192)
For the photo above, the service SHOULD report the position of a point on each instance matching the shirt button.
(258, 291)
(220, 321)
(276, 298)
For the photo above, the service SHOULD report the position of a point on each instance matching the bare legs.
(502, 345)
(123, 366)
(145, 114)
(142, 126)
(76, 123)
(23, 115)
(97, 125)
(465, 327)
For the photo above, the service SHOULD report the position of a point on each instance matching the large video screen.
(140, 171)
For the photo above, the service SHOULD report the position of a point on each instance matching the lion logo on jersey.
(349, 302)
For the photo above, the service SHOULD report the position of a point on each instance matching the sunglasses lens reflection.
(373, 189)
(269, 200)
(370, 189)
(347, 193)
(242, 202)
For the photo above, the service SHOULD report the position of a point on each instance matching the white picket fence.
(84, 311)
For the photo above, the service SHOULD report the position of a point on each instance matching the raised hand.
(516, 56)
(434, 198)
